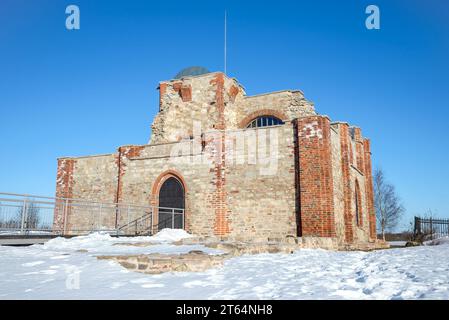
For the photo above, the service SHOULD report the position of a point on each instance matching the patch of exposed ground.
(194, 260)
(160, 263)
(201, 261)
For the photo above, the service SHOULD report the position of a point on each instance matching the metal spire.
(225, 35)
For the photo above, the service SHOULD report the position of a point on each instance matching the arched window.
(264, 121)
(358, 205)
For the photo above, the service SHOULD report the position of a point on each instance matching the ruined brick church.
(262, 167)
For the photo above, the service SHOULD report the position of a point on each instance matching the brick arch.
(259, 113)
(171, 173)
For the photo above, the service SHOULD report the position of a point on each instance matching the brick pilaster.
(222, 212)
(315, 177)
(369, 189)
(345, 148)
(359, 150)
(64, 189)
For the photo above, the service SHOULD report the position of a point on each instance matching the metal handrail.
(28, 212)
(150, 216)
(145, 216)
(77, 201)
(155, 227)
(28, 196)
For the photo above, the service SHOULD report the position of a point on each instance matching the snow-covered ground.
(62, 269)
(436, 242)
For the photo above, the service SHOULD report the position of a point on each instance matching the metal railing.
(29, 214)
(432, 228)
(172, 218)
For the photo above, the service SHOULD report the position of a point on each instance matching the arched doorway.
(171, 204)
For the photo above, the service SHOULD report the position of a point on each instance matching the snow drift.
(439, 241)
(41, 272)
(104, 243)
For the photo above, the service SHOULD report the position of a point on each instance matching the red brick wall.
(64, 178)
(233, 92)
(162, 90)
(315, 177)
(347, 192)
(359, 154)
(369, 189)
(64, 189)
(184, 91)
(360, 165)
(219, 203)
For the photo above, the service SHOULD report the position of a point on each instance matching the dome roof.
(191, 71)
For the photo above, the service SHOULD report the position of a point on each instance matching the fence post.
(152, 220)
(172, 218)
(416, 231)
(431, 229)
(24, 209)
(183, 219)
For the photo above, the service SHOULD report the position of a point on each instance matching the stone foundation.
(197, 261)
(194, 261)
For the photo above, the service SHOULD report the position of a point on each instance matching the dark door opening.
(171, 205)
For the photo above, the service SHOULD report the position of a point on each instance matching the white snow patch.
(32, 264)
(42, 271)
(104, 243)
(436, 242)
(170, 235)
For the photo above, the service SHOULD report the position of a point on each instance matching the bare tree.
(32, 215)
(387, 203)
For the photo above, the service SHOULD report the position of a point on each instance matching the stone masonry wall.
(261, 195)
(302, 183)
(218, 103)
(144, 174)
(88, 178)
(260, 205)
(286, 105)
(198, 103)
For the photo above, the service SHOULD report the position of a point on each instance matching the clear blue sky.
(72, 93)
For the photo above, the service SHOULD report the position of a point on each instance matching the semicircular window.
(264, 121)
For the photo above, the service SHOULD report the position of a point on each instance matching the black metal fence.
(431, 228)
